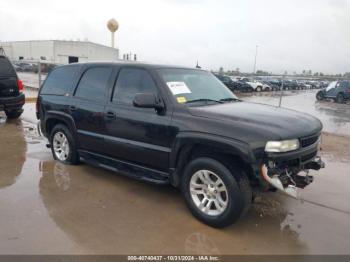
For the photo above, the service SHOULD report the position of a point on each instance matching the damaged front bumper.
(288, 172)
(289, 180)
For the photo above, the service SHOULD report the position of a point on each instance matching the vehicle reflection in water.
(199, 243)
(107, 213)
(59, 172)
(12, 151)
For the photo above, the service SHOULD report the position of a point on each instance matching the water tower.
(112, 26)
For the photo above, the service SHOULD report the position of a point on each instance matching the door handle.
(72, 108)
(111, 115)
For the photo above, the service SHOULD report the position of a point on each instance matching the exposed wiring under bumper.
(276, 182)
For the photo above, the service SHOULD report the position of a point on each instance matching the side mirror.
(147, 100)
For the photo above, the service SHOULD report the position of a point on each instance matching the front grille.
(308, 141)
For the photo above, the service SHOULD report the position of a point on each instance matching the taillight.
(347, 90)
(20, 86)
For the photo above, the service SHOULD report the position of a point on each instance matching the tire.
(340, 98)
(319, 96)
(267, 89)
(237, 195)
(13, 114)
(69, 156)
(258, 89)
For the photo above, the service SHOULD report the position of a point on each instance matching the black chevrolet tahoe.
(11, 90)
(177, 126)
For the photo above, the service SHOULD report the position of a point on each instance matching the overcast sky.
(292, 35)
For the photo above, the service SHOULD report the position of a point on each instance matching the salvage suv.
(11, 90)
(177, 126)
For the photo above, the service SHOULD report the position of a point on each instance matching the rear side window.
(93, 84)
(60, 81)
(6, 68)
(130, 82)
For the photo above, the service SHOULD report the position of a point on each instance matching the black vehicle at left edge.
(178, 126)
(12, 98)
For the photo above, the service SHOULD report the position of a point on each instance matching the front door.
(138, 135)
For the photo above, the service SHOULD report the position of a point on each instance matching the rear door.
(8, 78)
(88, 106)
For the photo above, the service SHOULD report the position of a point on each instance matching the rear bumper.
(12, 103)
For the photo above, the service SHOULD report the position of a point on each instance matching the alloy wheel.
(61, 146)
(208, 192)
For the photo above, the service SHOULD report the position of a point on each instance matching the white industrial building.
(59, 51)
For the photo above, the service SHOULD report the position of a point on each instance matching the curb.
(31, 99)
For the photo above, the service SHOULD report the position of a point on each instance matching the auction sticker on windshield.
(178, 88)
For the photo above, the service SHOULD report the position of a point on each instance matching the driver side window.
(130, 82)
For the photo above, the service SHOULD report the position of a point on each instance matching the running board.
(125, 168)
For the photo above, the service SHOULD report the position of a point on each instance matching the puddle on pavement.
(50, 208)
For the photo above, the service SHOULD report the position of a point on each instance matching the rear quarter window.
(60, 81)
(6, 68)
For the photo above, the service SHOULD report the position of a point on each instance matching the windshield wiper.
(229, 99)
(204, 100)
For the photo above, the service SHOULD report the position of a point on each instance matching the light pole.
(256, 55)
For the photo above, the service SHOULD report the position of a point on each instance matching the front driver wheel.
(215, 194)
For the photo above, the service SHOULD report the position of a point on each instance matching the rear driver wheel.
(63, 145)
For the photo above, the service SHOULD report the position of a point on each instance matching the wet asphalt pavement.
(50, 208)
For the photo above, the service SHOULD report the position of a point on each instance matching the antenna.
(281, 94)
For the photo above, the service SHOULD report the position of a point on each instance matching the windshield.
(331, 85)
(195, 87)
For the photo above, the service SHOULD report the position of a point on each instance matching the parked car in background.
(226, 80)
(242, 86)
(337, 90)
(25, 67)
(11, 90)
(257, 86)
(290, 85)
(270, 86)
(276, 83)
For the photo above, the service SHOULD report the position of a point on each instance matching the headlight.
(282, 146)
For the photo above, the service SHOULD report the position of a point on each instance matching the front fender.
(224, 144)
(185, 141)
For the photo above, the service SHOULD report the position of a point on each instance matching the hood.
(268, 121)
